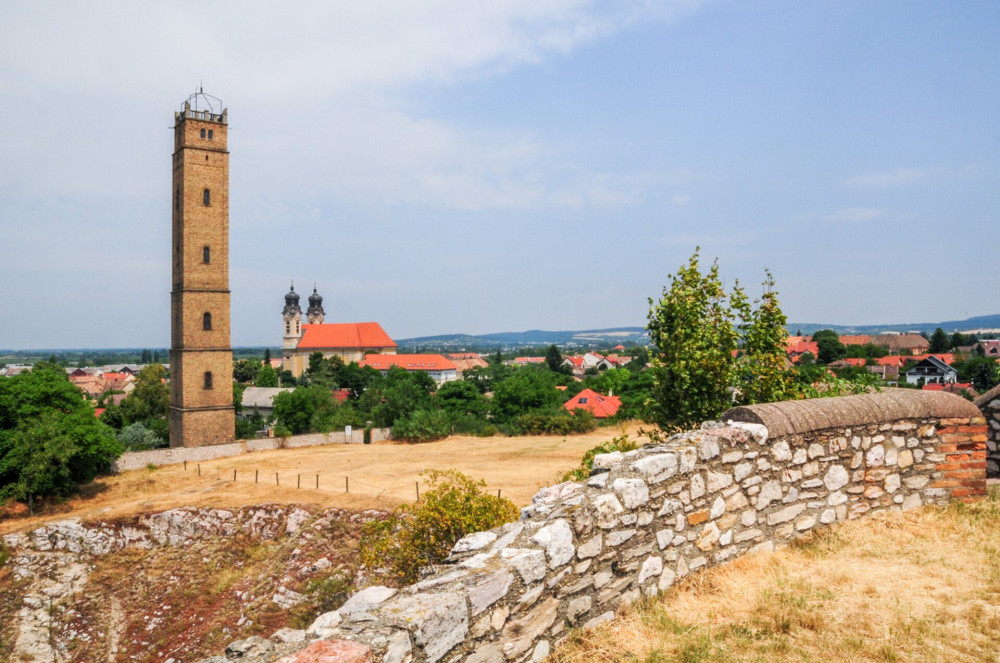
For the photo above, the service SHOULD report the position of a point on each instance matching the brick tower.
(201, 359)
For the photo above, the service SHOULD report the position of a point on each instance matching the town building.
(201, 358)
(597, 404)
(350, 341)
(931, 370)
(439, 368)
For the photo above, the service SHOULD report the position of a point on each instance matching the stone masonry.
(647, 518)
(989, 403)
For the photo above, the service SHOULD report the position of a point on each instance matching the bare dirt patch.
(355, 477)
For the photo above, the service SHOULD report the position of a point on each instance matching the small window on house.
(206, 197)
(211, 135)
(583, 400)
(202, 133)
(206, 322)
(206, 255)
(208, 380)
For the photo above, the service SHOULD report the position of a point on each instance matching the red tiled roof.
(600, 406)
(409, 362)
(618, 347)
(528, 360)
(946, 357)
(576, 361)
(345, 335)
(859, 339)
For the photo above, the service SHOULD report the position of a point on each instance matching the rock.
(607, 461)
(780, 451)
(651, 568)
(474, 541)
(591, 547)
(366, 599)
(485, 590)
(578, 606)
(529, 563)
(519, 635)
(656, 468)
(398, 649)
(324, 626)
(786, 514)
(253, 647)
(875, 456)
(557, 539)
(606, 509)
(438, 622)
(836, 477)
(289, 635)
(769, 492)
(332, 651)
(634, 492)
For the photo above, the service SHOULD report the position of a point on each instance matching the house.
(957, 388)
(795, 350)
(527, 361)
(855, 339)
(931, 370)
(260, 400)
(888, 374)
(592, 360)
(903, 344)
(438, 367)
(575, 363)
(465, 361)
(598, 405)
(990, 347)
(350, 341)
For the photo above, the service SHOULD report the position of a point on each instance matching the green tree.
(267, 376)
(150, 399)
(554, 359)
(762, 374)
(303, 409)
(525, 390)
(830, 347)
(246, 370)
(267, 356)
(50, 441)
(460, 397)
(940, 341)
(692, 330)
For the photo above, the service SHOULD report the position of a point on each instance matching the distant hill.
(978, 323)
(628, 336)
(590, 338)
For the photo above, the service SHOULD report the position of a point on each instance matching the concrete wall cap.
(797, 417)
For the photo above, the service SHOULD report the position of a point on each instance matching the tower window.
(202, 133)
(208, 379)
(206, 322)
(177, 199)
(206, 255)
(206, 197)
(288, 327)
(211, 135)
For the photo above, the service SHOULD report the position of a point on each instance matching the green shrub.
(559, 423)
(137, 437)
(621, 443)
(422, 426)
(415, 535)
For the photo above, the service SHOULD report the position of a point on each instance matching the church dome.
(315, 299)
(291, 302)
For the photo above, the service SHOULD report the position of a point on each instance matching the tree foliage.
(761, 367)
(50, 441)
(692, 328)
(939, 341)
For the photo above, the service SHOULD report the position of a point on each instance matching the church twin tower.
(201, 359)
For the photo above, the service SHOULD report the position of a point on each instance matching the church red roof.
(409, 362)
(345, 335)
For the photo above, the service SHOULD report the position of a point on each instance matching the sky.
(449, 166)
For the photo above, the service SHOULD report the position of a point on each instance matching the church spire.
(315, 314)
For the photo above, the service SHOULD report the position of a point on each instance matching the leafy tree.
(460, 397)
(246, 370)
(136, 437)
(554, 360)
(50, 440)
(762, 376)
(940, 341)
(526, 390)
(692, 330)
(267, 376)
(395, 396)
(830, 347)
(150, 399)
(267, 356)
(985, 376)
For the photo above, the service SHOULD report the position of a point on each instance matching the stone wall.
(647, 518)
(135, 460)
(989, 404)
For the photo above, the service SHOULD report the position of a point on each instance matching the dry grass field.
(350, 476)
(920, 586)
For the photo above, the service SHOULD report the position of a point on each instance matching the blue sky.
(445, 167)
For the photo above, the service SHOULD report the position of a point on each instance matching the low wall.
(647, 518)
(989, 404)
(134, 460)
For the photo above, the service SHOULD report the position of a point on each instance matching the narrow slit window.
(177, 199)
(208, 380)
(206, 322)
(211, 135)
(206, 255)
(206, 197)
(202, 133)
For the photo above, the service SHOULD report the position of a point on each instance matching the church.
(350, 341)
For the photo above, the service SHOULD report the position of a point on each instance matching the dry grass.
(921, 586)
(380, 476)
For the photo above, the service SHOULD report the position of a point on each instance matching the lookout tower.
(201, 359)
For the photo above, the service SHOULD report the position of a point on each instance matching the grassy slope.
(921, 586)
